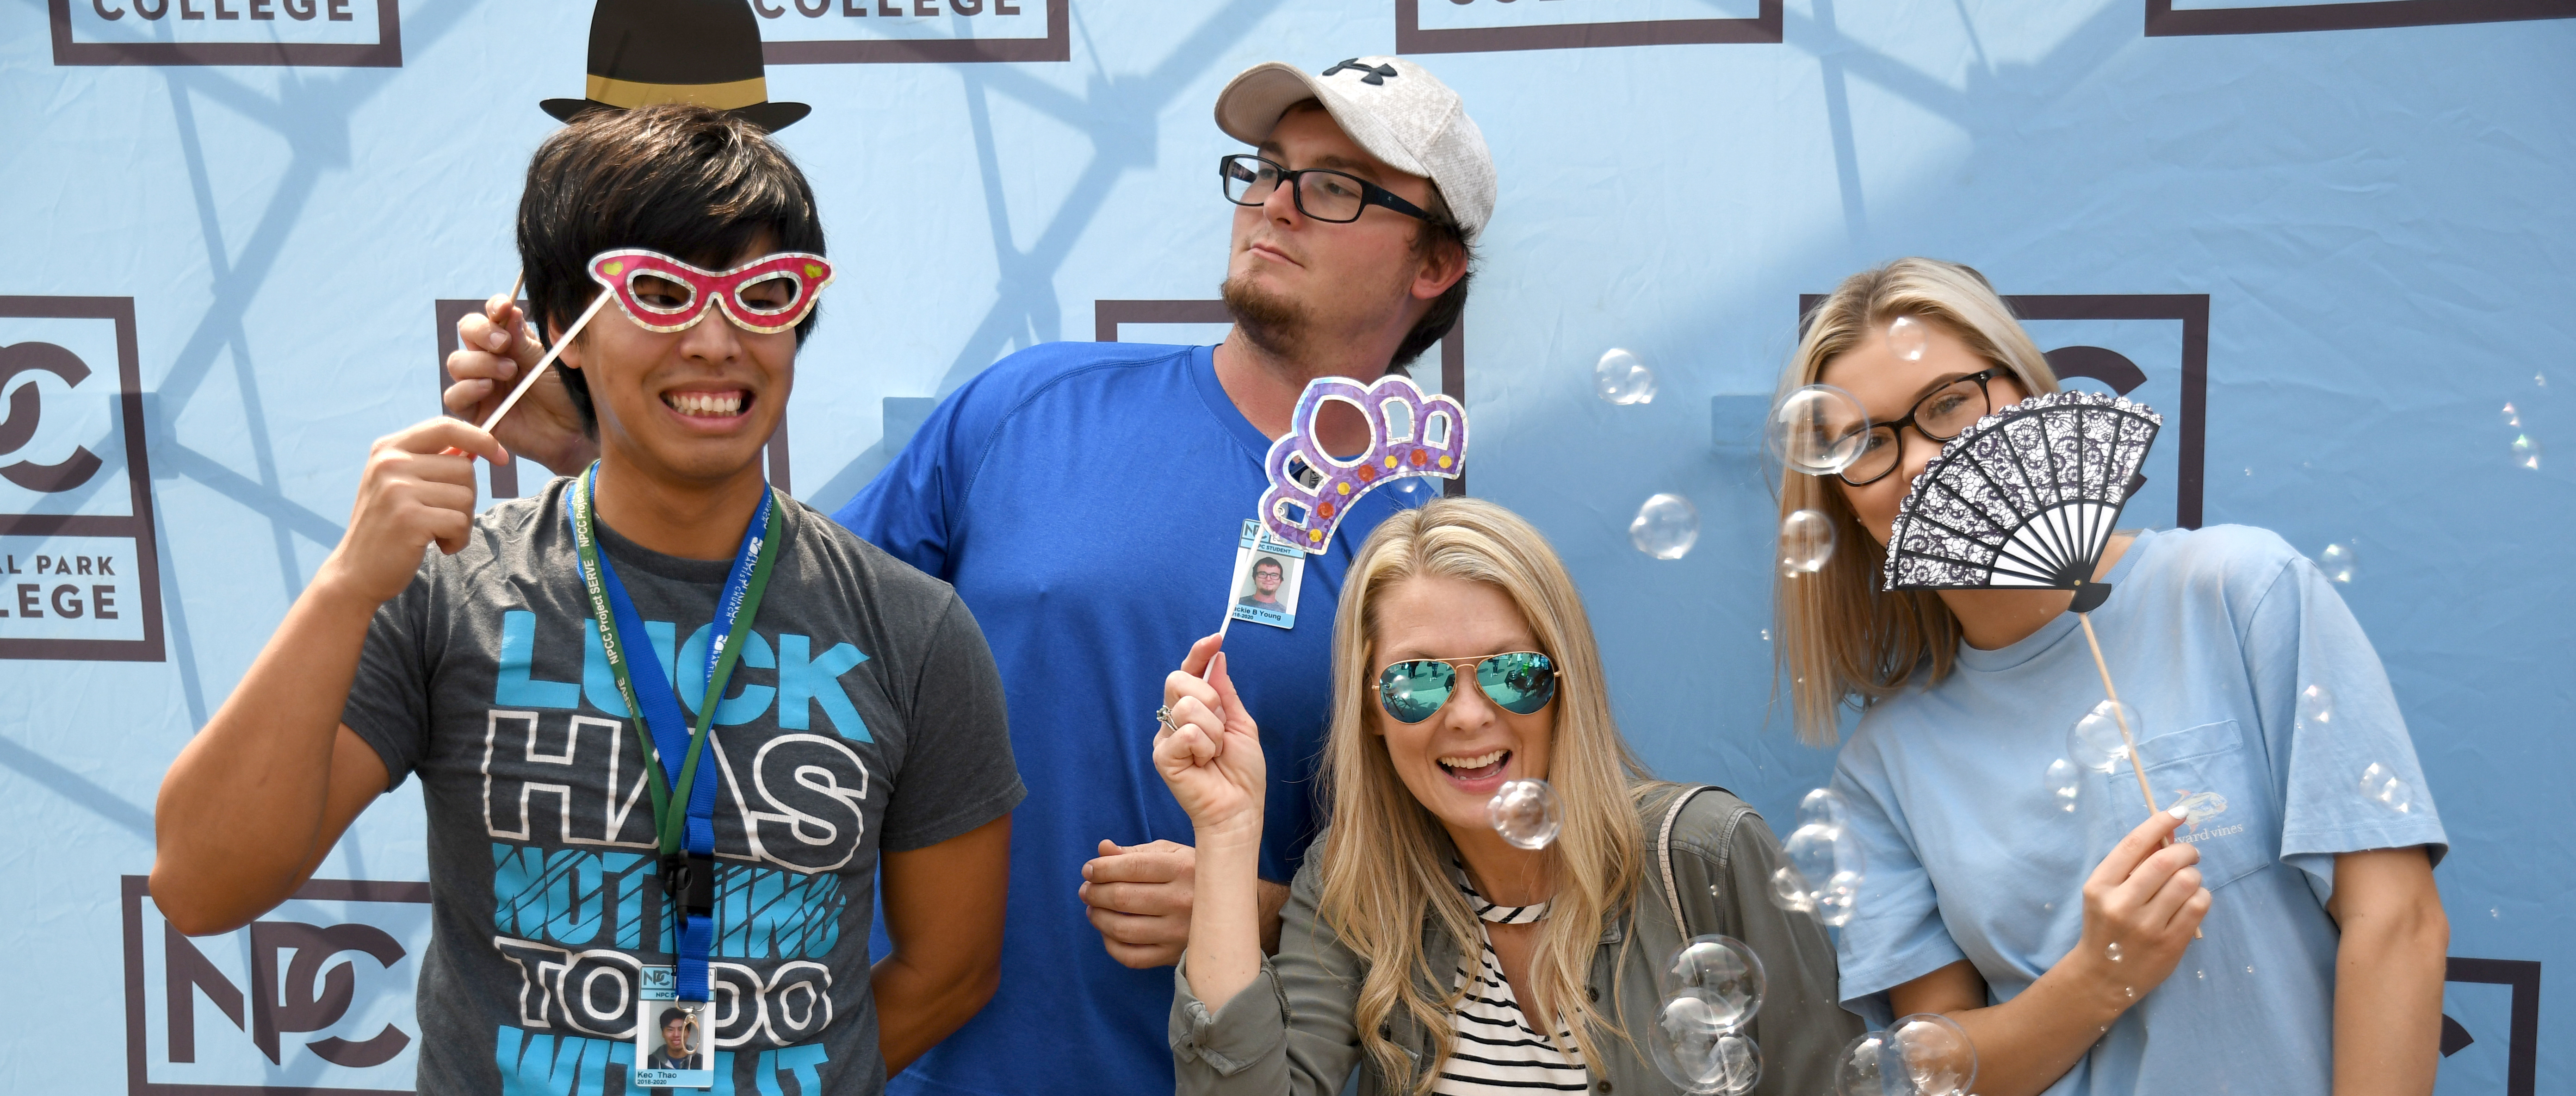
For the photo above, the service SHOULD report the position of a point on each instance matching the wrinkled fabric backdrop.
(2330, 242)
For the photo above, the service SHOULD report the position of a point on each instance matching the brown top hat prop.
(707, 52)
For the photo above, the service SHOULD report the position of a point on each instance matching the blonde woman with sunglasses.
(1418, 946)
(2059, 933)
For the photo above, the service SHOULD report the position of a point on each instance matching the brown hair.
(1841, 637)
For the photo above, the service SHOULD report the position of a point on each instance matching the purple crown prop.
(1410, 434)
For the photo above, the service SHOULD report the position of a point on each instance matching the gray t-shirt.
(866, 715)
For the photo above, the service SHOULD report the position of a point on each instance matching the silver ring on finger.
(1163, 716)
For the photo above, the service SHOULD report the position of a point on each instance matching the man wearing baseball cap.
(1087, 500)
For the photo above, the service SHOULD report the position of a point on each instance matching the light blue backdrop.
(2380, 220)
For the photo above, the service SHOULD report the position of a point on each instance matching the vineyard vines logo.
(2200, 807)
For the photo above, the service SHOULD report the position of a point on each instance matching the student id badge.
(1267, 571)
(671, 1048)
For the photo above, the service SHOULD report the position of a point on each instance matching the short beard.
(1269, 321)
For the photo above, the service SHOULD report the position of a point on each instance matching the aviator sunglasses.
(1519, 682)
(766, 296)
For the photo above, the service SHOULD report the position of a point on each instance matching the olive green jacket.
(1298, 1036)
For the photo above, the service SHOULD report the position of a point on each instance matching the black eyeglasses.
(1339, 197)
(1940, 415)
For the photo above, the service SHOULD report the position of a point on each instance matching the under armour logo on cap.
(1376, 74)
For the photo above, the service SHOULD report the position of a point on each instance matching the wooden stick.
(539, 369)
(2120, 713)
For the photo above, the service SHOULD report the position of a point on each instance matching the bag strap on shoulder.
(1664, 853)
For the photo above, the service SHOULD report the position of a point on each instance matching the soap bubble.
(2065, 783)
(2316, 708)
(2100, 740)
(2526, 451)
(1838, 901)
(1937, 1056)
(1908, 338)
(1622, 379)
(1665, 527)
(2113, 951)
(1823, 875)
(1700, 1055)
(1720, 972)
(1925, 1054)
(1789, 891)
(2340, 563)
(1526, 813)
(1824, 807)
(1818, 429)
(1806, 542)
(2381, 784)
(2512, 418)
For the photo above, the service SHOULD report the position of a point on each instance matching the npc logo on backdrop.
(310, 33)
(860, 32)
(1487, 26)
(314, 997)
(79, 569)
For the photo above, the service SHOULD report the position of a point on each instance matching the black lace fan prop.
(2025, 498)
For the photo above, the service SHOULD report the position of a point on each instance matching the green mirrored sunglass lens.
(1412, 691)
(1520, 683)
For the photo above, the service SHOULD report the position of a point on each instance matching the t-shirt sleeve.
(957, 769)
(2300, 636)
(1896, 934)
(388, 703)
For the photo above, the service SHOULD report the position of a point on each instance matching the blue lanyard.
(688, 848)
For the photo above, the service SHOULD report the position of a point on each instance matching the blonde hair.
(1383, 863)
(1841, 638)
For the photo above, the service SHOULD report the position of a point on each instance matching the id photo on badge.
(672, 1045)
(1266, 586)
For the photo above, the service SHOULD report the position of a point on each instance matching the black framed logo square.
(2150, 347)
(1497, 26)
(2183, 18)
(294, 33)
(80, 569)
(879, 32)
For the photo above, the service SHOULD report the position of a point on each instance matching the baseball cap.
(1400, 113)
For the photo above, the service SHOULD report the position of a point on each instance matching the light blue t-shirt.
(2210, 634)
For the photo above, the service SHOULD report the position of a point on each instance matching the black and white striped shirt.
(1496, 1050)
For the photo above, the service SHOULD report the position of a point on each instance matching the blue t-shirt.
(2210, 635)
(1086, 499)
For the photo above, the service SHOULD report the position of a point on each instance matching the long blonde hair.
(1383, 862)
(1841, 637)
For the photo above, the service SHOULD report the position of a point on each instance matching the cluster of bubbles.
(2316, 708)
(1817, 429)
(2340, 563)
(1525, 813)
(1824, 872)
(2525, 448)
(1806, 542)
(1665, 527)
(1620, 378)
(1710, 988)
(1926, 1054)
(2100, 741)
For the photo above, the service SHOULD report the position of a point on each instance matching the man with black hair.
(1044, 487)
(671, 727)
(675, 1051)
